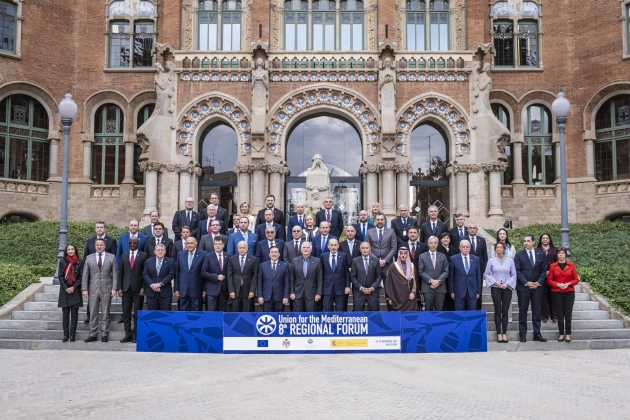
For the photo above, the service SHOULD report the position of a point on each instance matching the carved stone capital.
(387, 166)
(367, 168)
(455, 167)
(494, 166)
(191, 168)
(280, 168)
(243, 167)
(259, 166)
(147, 165)
(404, 168)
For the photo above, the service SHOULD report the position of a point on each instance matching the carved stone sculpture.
(387, 93)
(317, 184)
(260, 86)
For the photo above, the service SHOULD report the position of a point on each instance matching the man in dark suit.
(205, 226)
(383, 242)
(415, 247)
(333, 217)
(159, 238)
(363, 226)
(336, 278)
(188, 280)
(401, 223)
(148, 229)
(123, 240)
(478, 249)
(366, 279)
(242, 234)
(464, 278)
(187, 217)
(351, 245)
(131, 286)
(278, 215)
(320, 241)
(273, 283)
(298, 219)
(306, 280)
(179, 246)
(221, 213)
(459, 231)
(432, 227)
(90, 248)
(206, 243)
(158, 274)
(263, 247)
(235, 221)
(531, 273)
(433, 271)
(242, 278)
(269, 222)
(214, 273)
(292, 247)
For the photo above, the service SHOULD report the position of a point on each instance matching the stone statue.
(387, 93)
(260, 86)
(317, 184)
(164, 88)
(490, 134)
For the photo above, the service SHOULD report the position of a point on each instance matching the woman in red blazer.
(562, 279)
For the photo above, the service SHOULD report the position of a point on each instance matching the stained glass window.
(502, 115)
(8, 24)
(351, 25)
(504, 43)
(108, 150)
(538, 155)
(142, 44)
(119, 44)
(612, 147)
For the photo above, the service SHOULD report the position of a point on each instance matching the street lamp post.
(67, 110)
(560, 109)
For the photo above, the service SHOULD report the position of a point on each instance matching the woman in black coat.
(447, 249)
(548, 309)
(70, 298)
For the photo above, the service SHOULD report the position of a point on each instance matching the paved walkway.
(104, 385)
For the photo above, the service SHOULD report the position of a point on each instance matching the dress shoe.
(545, 320)
(567, 339)
(72, 338)
(554, 319)
(65, 338)
(104, 339)
(523, 339)
(90, 339)
(86, 320)
(538, 337)
(127, 338)
(121, 320)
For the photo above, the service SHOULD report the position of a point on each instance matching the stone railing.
(138, 191)
(541, 191)
(213, 60)
(333, 61)
(24, 187)
(612, 187)
(434, 60)
(105, 191)
(507, 191)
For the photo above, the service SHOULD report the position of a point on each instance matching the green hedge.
(600, 252)
(13, 279)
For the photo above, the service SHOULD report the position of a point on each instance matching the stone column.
(167, 194)
(184, 184)
(590, 158)
(151, 184)
(54, 159)
(370, 171)
(389, 191)
(243, 172)
(462, 193)
(258, 196)
(87, 159)
(477, 192)
(129, 163)
(402, 184)
(495, 194)
(518, 160)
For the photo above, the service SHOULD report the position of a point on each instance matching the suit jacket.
(202, 228)
(427, 272)
(289, 250)
(345, 248)
(131, 277)
(462, 284)
(179, 221)
(294, 221)
(421, 248)
(359, 229)
(236, 237)
(318, 250)
(336, 221)
(426, 232)
(148, 231)
(526, 273)
(210, 271)
(399, 229)
(206, 243)
(99, 280)
(387, 248)
(262, 250)
(178, 246)
(361, 278)
(222, 215)
(149, 247)
(123, 244)
(455, 236)
(90, 247)
(230, 232)
(336, 280)
(248, 276)
(480, 251)
(278, 217)
(260, 231)
(312, 284)
(164, 277)
(188, 282)
(277, 285)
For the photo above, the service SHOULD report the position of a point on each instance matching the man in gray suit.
(433, 270)
(293, 246)
(242, 279)
(383, 242)
(307, 280)
(99, 286)
(206, 243)
(366, 279)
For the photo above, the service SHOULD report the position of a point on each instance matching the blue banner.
(444, 332)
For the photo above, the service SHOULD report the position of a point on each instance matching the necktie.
(363, 231)
(100, 261)
(305, 267)
(473, 240)
(466, 264)
(328, 216)
(188, 218)
(405, 223)
(132, 260)
(208, 228)
(190, 259)
(413, 251)
(220, 262)
(273, 269)
(242, 263)
(334, 262)
(433, 259)
(461, 233)
(366, 264)
(270, 245)
(323, 242)
(350, 246)
(159, 266)
(157, 241)
(380, 236)
(300, 221)
(297, 249)
(433, 228)
(531, 258)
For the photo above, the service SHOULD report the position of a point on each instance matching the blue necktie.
(405, 224)
(531, 258)
(380, 236)
(363, 231)
(323, 242)
(334, 264)
(305, 267)
(188, 218)
(466, 264)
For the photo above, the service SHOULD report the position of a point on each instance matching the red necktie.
(100, 262)
(208, 228)
(328, 216)
(220, 262)
(296, 248)
(413, 251)
(132, 260)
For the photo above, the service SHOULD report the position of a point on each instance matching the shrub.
(13, 279)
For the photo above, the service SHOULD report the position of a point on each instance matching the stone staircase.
(38, 326)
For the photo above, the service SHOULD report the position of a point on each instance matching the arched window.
(220, 25)
(143, 115)
(515, 34)
(539, 152)
(218, 152)
(324, 25)
(351, 25)
(502, 115)
(108, 151)
(11, 219)
(24, 145)
(612, 147)
(8, 27)
(131, 34)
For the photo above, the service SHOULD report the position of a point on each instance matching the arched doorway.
(339, 143)
(218, 151)
(429, 184)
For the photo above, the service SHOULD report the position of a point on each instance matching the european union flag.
(263, 343)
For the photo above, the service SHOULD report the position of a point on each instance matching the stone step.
(575, 325)
(51, 335)
(51, 289)
(487, 297)
(590, 334)
(46, 297)
(57, 344)
(11, 324)
(555, 345)
(577, 315)
(582, 305)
